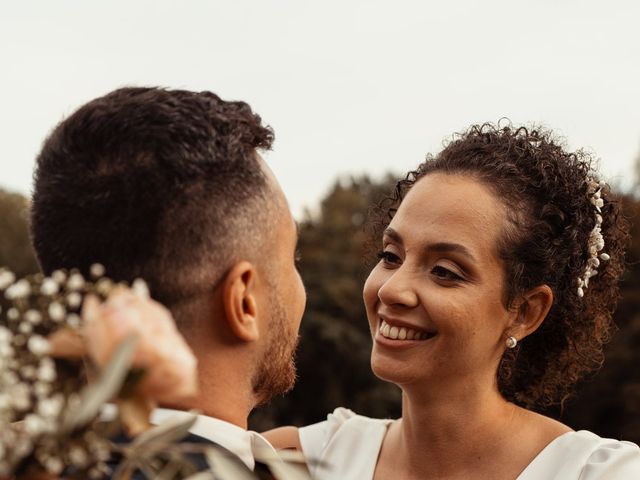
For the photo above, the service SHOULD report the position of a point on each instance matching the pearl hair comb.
(596, 240)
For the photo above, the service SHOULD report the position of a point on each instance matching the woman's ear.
(533, 309)
(239, 300)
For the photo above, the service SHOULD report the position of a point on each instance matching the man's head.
(167, 185)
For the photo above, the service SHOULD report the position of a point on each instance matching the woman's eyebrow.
(393, 235)
(441, 247)
(445, 247)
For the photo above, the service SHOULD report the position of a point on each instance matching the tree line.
(335, 343)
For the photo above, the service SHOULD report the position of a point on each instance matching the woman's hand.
(284, 438)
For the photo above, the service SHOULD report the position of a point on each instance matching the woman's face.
(434, 300)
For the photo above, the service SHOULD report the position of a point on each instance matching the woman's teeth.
(401, 333)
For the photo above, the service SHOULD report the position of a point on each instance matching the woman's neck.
(453, 432)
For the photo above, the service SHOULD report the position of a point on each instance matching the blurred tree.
(15, 247)
(333, 357)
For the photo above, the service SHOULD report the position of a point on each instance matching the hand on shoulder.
(284, 438)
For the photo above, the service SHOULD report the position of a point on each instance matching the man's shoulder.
(192, 460)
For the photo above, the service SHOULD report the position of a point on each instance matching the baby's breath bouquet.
(73, 349)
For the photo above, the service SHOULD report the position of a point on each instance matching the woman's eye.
(388, 258)
(445, 273)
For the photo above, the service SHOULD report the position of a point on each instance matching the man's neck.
(225, 390)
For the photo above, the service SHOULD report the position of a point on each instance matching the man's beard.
(276, 370)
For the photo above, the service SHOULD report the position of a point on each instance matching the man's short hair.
(160, 184)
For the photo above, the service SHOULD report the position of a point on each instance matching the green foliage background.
(333, 358)
(15, 248)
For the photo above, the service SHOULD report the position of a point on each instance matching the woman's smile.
(395, 333)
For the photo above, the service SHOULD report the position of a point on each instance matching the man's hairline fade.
(252, 199)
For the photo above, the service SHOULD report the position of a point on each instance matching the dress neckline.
(532, 465)
(548, 450)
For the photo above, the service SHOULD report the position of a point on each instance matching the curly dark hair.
(153, 183)
(549, 222)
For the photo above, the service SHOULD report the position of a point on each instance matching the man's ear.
(239, 299)
(532, 310)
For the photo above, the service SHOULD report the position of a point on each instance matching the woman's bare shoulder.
(284, 437)
(546, 426)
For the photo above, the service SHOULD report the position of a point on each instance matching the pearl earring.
(512, 342)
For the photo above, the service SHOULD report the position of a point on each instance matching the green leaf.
(168, 432)
(284, 465)
(201, 476)
(226, 467)
(176, 464)
(104, 389)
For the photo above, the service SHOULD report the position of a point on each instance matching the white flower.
(596, 239)
(28, 372)
(5, 335)
(51, 407)
(20, 289)
(54, 465)
(78, 457)
(38, 345)
(22, 447)
(10, 378)
(6, 350)
(104, 286)
(42, 389)
(25, 327)
(74, 299)
(6, 278)
(140, 288)
(97, 474)
(34, 424)
(59, 276)
(97, 270)
(47, 370)
(20, 397)
(33, 316)
(49, 287)
(75, 282)
(56, 311)
(101, 450)
(13, 313)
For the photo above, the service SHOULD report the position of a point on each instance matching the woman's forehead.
(446, 208)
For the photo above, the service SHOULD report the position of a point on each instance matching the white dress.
(346, 447)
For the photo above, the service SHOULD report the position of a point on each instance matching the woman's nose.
(398, 289)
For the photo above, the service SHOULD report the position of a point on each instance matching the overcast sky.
(349, 86)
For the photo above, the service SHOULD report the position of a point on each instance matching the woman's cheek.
(371, 287)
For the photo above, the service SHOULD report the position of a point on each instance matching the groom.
(168, 185)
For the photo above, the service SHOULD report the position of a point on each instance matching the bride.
(492, 297)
